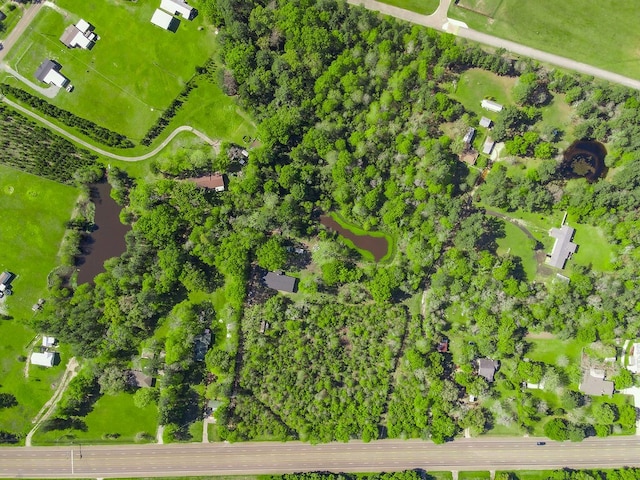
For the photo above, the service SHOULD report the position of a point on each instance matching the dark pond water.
(378, 246)
(107, 240)
(584, 159)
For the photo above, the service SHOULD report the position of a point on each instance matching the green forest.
(355, 113)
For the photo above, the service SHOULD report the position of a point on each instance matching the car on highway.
(541, 443)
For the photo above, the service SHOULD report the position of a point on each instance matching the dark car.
(541, 443)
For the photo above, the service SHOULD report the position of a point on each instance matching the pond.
(584, 159)
(378, 246)
(106, 240)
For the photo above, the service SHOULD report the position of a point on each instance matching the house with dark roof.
(201, 344)
(281, 282)
(49, 72)
(487, 368)
(140, 379)
(563, 247)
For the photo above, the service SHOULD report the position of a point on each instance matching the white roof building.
(49, 72)
(177, 7)
(48, 341)
(83, 25)
(491, 105)
(162, 19)
(43, 359)
(563, 247)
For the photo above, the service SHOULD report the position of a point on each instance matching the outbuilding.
(164, 20)
(491, 106)
(44, 359)
(281, 282)
(178, 7)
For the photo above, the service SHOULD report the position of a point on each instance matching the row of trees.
(87, 127)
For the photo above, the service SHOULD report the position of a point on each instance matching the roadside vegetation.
(590, 35)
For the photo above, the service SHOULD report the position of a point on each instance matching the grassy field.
(133, 72)
(424, 7)
(35, 211)
(594, 250)
(518, 244)
(604, 35)
(113, 415)
(475, 85)
(549, 350)
(477, 475)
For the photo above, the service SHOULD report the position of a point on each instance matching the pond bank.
(374, 246)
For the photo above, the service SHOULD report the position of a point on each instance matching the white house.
(48, 341)
(177, 7)
(491, 105)
(45, 359)
(49, 72)
(83, 26)
(162, 19)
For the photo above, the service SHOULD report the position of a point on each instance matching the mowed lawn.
(475, 85)
(132, 73)
(519, 245)
(35, 211)
(114, 419)
(424, 7)
(604, 34)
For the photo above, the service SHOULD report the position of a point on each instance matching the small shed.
(488, 145)
(281, 282)
(45, 359)
(491, 106)
(468, 137)
(485, 122)
(48, 341)
(5, 278)
(164, 20)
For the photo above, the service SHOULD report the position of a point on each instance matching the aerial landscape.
(320, 239)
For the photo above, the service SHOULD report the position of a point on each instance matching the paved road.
(439, 21)
(155, 151)
(28, 15)
(262, 457)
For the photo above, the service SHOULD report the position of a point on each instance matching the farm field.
(604, 35)
(31, 252)
(132, 73)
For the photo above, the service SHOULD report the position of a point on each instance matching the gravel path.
(87, 145)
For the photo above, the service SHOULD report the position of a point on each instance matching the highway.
(269, 457)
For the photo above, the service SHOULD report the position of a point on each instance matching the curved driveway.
(87, 145)
(439, 21)
(272, 457)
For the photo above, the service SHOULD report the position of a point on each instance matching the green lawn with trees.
(588, 35)
(134, 70)
(349, 109)
(35, 212)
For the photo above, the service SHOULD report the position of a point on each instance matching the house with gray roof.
(49, 72)
(488, 145)
(487, 368)
(281, 282)
(563, 248)
(485, 122)
(594, 383)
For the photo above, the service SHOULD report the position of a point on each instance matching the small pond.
(378, 246)
(584, 159)
(106, 240)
